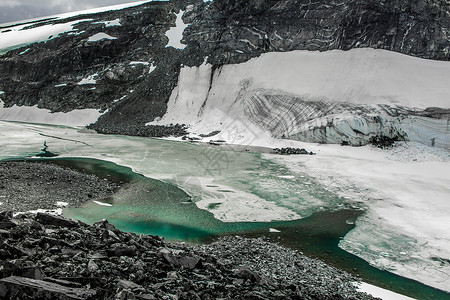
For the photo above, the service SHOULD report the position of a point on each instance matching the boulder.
(48, 219)
(7, 224)
(129, 285)
(6, 215)
(122, 250)
(15, 287)
(246, 273)
(189, 262)
(168, 256)
(63, 282)
(33, 273)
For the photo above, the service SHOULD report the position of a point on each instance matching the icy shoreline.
(218, 249)
(393, 184)
(401, 232)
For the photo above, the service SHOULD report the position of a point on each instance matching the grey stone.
(13, 287)
(48, 219)
(33, 273)
(246, 273)
(7, 224)
(129, 285)
(189, 262)
(122, 250)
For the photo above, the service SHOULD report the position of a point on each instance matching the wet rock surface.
(55, 260)
(29, 185)
(132, 76)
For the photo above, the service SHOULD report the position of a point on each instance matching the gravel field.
(27, 185)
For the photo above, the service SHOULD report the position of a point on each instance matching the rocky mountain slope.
(126, 63)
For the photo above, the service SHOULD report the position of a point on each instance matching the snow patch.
(19, 36)
(61, 204)
(61, 85)
(89, 80)
(145, 63)
(380, 292)
(152, 68)
(286, 176)
(175, 34)
(112, 23)
(102, 203)
(273, 230)
(25, 51)
(33, 114)
(101, 36)
(120, 99)
(56, 212)
(80, 12)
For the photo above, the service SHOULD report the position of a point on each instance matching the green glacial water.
(189, 188)
(149, 206)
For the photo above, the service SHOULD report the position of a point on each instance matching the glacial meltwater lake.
(196, 193)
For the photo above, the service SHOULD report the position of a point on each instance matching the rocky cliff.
(121, 61)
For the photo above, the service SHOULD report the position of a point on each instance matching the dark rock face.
(412, 27)
(225, 31)
(55, 260)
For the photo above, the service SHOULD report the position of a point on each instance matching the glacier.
(325, 97)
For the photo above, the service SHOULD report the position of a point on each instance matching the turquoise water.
(148, 206)
(158, 207)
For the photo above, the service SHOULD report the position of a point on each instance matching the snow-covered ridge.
(271, 91)
(79, 12)
(13, 37)
(17, 37)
